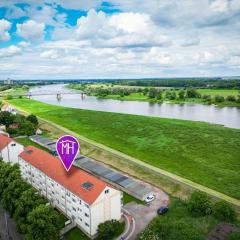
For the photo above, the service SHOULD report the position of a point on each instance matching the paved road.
(12, 233)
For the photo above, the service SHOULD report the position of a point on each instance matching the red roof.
(4, 141)
(71, 180)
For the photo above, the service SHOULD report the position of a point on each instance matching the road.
(7, 222)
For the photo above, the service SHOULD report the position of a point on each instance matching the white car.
(149, 198)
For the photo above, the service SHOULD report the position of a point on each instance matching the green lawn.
(221, 92)
(75, 234)
(205, 153)
(129, 198)
(25, 141)
(178, 216)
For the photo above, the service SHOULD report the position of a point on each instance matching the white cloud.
(120, 30)
(191, 41)
(4, 27)
(24, 44)
(31, 30)
(51, 54)
(9, 51)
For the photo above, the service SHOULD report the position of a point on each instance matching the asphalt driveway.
(143, 214)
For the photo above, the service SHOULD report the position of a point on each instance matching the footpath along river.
(227, 116)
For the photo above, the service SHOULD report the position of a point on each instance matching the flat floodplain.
(204, 153)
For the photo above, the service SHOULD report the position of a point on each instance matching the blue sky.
(58, 39)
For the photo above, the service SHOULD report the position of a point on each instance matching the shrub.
(219, 99)
(224, 212)
(199, 204)
(234, 235)
(109, 230)
(231, 98)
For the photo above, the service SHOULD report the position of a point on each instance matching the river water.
(227, 116)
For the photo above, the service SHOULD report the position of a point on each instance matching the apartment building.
(85, 199)
(9, 149)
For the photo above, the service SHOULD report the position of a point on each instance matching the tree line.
(180, 83)
(34, 219)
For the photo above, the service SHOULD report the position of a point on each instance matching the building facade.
(9, 149)
(86, 200)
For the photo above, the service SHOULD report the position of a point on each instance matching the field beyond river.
(204, 153)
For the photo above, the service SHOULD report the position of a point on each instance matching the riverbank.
(136, 93)
(204, 153)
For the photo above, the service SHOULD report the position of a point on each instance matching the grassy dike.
(203, 153)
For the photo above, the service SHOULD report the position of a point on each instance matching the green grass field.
(204, 153)
(75, 234)
(221, 92)
(129, 198)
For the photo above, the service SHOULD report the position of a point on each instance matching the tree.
(12, 193)
(224, 212)
(43, 223)
(26, 203)
(26, 128)
(152, 93)
(8, 173)
(159, 95)
(33, 119)
(181, 94)
(199, 204)
(171, 95)
(192, 93)
(219, 98)
(109, 230)
(231, 98)
(6, 118)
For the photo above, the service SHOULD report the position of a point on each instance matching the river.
(227, 116)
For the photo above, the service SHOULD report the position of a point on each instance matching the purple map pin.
(67, 148)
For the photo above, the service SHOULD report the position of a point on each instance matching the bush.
(234, 235)
(231, 98)
(110, 230)
(219, 99)
(162, 230)
(224, 212)
(199, 204)
(33, 119)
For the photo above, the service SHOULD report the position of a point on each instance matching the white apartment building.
(9, 149)
(86, 200)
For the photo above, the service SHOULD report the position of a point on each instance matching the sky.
(85, 39)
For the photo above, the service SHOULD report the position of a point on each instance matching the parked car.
(149, 198)
(162, 210)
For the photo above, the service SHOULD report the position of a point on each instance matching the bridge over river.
(58, 94)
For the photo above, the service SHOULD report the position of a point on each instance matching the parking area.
(143, 214)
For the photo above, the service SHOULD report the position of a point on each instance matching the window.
(86, 215)
(73, 200)
(107, 191)
(13, 144)
(86, 205)
(87, 224)
(74, 209)
(87, 185)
